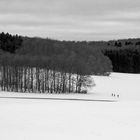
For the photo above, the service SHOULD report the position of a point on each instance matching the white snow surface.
(34, 119)
(127, 86)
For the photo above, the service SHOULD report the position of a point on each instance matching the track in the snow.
(65, 99)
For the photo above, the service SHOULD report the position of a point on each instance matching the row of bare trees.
(20, 74)
(27, 79)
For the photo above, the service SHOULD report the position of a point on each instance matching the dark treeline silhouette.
(39, 74)
(10, 43)
(52, 66)
(45, 65)
(48, 47)
(125, 55)
(125, 60)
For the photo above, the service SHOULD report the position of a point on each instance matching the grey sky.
(71, 19)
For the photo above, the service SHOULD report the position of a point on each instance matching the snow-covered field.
(34, 119)
(126, 85)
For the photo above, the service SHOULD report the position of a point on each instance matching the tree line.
(44, 65)
(37, 74)
(10, 43)
(125, 60)
(116, 50)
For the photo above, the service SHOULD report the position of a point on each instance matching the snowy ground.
(126, 85)
(33, 119)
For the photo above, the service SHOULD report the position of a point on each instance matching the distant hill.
(123, 53)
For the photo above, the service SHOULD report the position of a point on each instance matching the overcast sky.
(71, 19)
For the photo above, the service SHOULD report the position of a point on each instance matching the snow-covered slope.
(34, 119)
(68, 120)
(127, 86)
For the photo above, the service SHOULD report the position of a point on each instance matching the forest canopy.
(40, 65)
(35, 64)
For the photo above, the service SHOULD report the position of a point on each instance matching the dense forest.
(125, 60)
(124, 54)
(45, 65)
